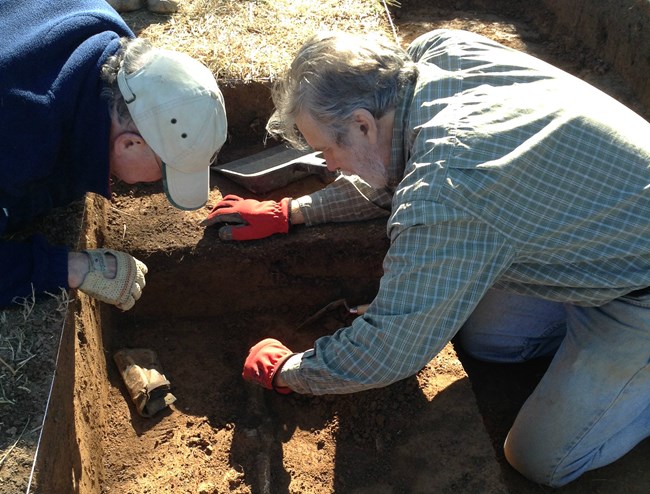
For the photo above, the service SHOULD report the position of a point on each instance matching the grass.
(254, 40)
(21, 331)
(30, 335)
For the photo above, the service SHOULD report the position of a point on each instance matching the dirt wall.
(248, 107)
(298, 272)
(70, 455)
(616, 30)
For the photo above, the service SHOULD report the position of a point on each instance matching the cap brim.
(186, 191)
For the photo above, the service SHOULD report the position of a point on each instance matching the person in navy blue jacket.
(81, 99)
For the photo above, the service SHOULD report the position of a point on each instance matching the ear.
(132, 160)
(128, 144)
(365, 124)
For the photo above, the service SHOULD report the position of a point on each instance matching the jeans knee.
(487, 348)
(510, 348)
(541, 466)
(506, 327)
(521, 458)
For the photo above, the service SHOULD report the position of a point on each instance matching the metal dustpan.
(274, 168)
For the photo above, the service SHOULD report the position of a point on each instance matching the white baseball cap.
(176, 104)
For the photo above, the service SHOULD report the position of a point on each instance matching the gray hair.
(131, 56)
(334, 74)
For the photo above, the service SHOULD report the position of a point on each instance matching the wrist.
(78, 267)
(290, 364)
(289, 213)
(285, 209)
(295, 214)
(278, 381)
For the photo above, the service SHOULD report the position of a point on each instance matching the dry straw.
(20, 331)
(255, 40)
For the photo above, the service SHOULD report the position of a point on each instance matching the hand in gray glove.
(121, 290)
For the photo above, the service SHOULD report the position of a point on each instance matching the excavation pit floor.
(226, 435)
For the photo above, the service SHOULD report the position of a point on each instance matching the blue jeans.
(593, 403)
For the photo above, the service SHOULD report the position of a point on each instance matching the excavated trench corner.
(207, 301)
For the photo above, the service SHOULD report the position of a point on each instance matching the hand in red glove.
(264, 361)
(260, 218)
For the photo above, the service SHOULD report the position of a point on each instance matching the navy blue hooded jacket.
(54, 126)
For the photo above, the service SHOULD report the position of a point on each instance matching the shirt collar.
(399, 152)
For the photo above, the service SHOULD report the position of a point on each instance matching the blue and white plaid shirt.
(514, 175)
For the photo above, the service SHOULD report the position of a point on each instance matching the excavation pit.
(206, 302)
(205, 305)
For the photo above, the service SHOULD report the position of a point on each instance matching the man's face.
(357, 157)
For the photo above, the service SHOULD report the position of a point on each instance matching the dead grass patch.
(244, 41)
(29, 342)
(20, 340)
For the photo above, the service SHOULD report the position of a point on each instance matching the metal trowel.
(274, 168)
(337, 305)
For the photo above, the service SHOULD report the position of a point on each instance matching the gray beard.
(371, 170)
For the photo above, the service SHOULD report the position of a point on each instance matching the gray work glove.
(142, 373)
(122, 290)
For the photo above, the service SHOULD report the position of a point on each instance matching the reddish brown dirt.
(234, 437)
(206, 302)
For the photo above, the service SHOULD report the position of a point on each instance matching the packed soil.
(207, 302)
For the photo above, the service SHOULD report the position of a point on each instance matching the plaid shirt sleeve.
(424, 295)
(348, 198)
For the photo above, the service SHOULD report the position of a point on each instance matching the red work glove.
(264, 360)
(260, 218)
